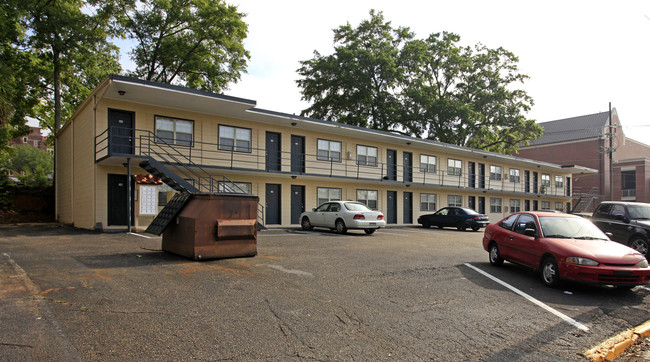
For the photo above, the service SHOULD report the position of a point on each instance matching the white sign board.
(148, 200)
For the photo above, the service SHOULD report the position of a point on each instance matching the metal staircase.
(584, 200)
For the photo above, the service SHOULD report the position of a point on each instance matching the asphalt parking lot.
(400, 294)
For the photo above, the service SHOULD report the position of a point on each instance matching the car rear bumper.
(605, 275)
(366, 224)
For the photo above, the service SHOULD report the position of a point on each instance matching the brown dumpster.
(212, 226)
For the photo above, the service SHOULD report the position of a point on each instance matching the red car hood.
(606, 252)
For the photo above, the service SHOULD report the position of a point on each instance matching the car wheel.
(461, 226)
(340, 227)
(495, 255)
(550, 272)
(475, 228)
(306, 224)
(369, 231)
(640, 244)
(625, 287)
(426, 225)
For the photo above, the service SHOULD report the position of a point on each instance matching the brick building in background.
(585, 141)
(35, 139)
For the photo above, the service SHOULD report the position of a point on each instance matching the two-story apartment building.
(216, 143)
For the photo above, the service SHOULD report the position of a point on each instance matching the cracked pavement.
(70, 294)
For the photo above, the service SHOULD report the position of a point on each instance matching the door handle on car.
(512, 237)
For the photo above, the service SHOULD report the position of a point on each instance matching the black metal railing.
(214, 155)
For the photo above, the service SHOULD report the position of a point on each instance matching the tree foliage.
(32, 163)
(385, 78)
(197, 43)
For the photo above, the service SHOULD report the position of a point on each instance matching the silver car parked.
(341, 216)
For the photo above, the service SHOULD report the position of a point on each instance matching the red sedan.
(562, 246)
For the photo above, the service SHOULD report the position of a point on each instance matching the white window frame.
(454, 167)
(233, 187)
(495, 205)
(327, 194)
(428, 163)
(546, 180)
(367, 155)
(455, 200)
(546, 205)
(495, 172)
(559, 206)
(241, 138)
(329, 147)
(428, 202)
(515, 175)
(559, 182)
(369, 198)
(175, 126)
(515, 205)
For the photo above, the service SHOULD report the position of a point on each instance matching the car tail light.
(476, 218)
(380, 217)
(359, 217)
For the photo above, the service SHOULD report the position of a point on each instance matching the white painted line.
(566, 318)
(144, 236)
(291, 271)
(642, 287)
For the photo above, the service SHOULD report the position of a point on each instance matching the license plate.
(373, 224)
(623, 272)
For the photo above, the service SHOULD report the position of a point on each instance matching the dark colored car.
(628, 223)
(459, 217)
(562, 246)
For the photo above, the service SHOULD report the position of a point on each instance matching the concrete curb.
(613, 347)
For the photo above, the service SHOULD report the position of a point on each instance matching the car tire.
(306, 224)
(426, 225)
(495, 255)
(369, 231)
(461, 226)
(475, 228)
(340, 226)
(549, 272)
(641, 245)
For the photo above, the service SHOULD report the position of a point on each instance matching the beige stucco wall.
(64, 179)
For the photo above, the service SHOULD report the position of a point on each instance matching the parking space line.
(144, 236)
(642, 287)
(564, 317)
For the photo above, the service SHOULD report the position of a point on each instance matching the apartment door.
(535, 205)
(297, 154)
(481, 205)
(535, 177)
(526, 181)
(471, 175)
(391, 165)
(297, 202)
(526, 205)
(118, 200)
(391, 203)
(121, 132)
(471, 202)
(273, 210)
(407, 208)
(481, 175)
(408, 167)
(273, 154)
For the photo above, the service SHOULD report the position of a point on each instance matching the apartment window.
(454, 200)
(174, 131)
(515, 175)
(162, 194)
(235, 139)
(495, 204)
(326, 194)
(454, 167)
(546, 180)
(368, 198)
(559, 206)
(366, 155)
(329, 150)
(546, 205)
(559, 182)
(495, 173)
(235, 187)
(628, 183)
(428, 202)
(515, 205)
(24, 139)
(428, 163)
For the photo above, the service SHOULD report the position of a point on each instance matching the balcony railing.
(115, 142)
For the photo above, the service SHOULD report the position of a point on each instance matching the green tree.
(70, 40)
(34, 164)
(197, 43)
(383, 78)
(359, 83)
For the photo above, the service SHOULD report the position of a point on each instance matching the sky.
(579, 55)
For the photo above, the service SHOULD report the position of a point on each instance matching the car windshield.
(639, 212)
(570, 228)
(355, 206)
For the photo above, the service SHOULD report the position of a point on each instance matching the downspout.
(94, 161)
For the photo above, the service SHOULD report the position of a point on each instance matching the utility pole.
(611, 154)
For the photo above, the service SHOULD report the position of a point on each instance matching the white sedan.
(341, 216)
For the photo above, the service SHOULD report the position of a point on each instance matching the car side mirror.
(530, 232)
(619, 217)
(609, 235)
(314, 209)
